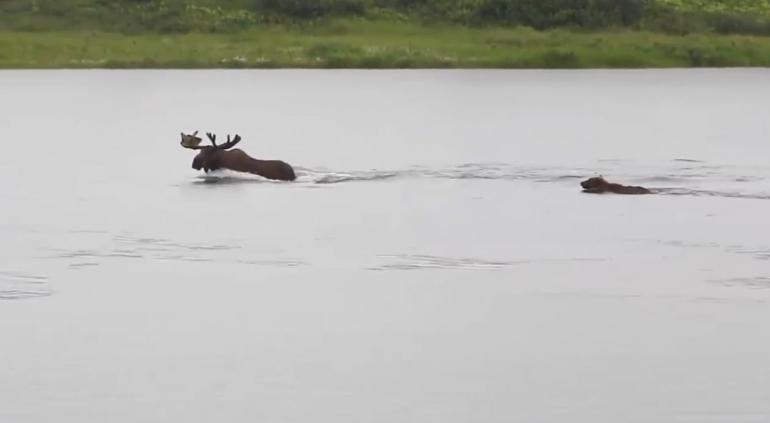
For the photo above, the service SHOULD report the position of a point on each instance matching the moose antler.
(230, 144)
(212, 138)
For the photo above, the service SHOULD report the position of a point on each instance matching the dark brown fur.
(598, 185)
(215, 157)
(237, 160)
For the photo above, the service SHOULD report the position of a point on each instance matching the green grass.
(383, 33)
(375, 44)
(737, 7)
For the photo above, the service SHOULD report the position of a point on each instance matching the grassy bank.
(383, 33)
(733, 7)
(368, 44)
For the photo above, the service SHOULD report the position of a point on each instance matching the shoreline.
(381, 45)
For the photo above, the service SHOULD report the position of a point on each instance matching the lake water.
(435, 261)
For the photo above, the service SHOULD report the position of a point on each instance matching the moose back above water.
(213, 157)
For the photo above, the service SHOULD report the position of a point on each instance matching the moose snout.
(196, 164)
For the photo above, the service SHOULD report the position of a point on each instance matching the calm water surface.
(435, 261)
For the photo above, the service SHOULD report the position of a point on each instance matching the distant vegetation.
(180, 16)
(384, 33)
(721, 16)
(734, 7)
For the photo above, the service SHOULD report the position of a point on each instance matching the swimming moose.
(213, 157)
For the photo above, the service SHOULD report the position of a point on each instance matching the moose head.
(209, 155)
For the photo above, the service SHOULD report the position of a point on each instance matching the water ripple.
(589, 295)
(684, 177)
(424, 261)
(707, 193)
(758, 282)
(19, 285)
(757, 253)
(83, 265)
(162, 244)
(427, 262)
(275, 262)
(136, 247)
(688, 177)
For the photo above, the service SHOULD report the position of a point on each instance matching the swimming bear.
(598, 185)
